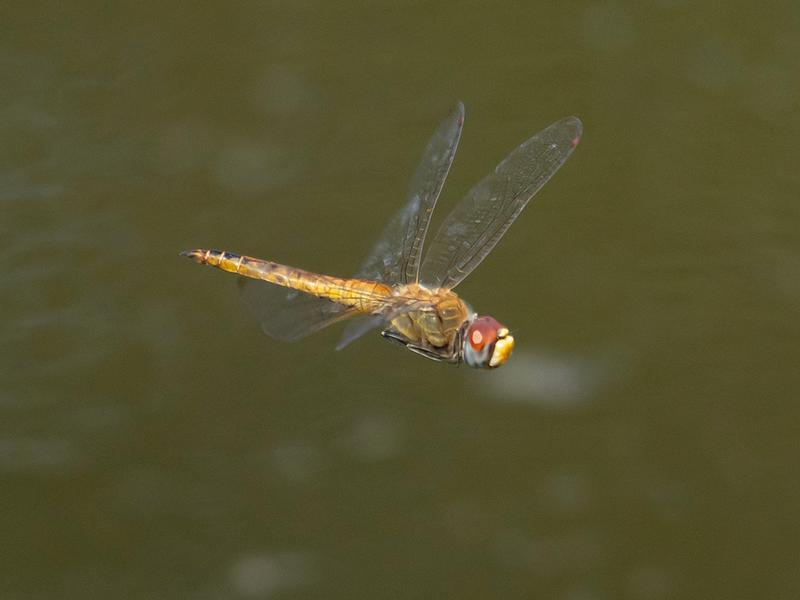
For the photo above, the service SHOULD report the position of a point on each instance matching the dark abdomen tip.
(198, 256)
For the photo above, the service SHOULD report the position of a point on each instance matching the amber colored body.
(426, 318)
(431, 321)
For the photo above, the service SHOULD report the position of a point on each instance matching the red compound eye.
(483, 331)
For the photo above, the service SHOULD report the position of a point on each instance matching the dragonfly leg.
(394, 337)
(437, 354)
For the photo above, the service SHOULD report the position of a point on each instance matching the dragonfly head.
(487, 344)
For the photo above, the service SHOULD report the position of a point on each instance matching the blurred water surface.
(641, 443)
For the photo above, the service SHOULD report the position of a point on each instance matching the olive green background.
(641, 444)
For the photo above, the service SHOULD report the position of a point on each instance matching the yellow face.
(503, 348)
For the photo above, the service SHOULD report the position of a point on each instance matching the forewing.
(289, 315)
(478, 222)
(395, 258)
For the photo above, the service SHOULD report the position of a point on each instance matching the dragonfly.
(407, 294)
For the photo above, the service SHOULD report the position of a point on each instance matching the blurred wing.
(358, 327)
(478, 222)
(286, 314)
(396, 256)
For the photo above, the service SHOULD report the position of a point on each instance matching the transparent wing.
(396, 256)
(478, 222)
(358, 327)
(286, 314)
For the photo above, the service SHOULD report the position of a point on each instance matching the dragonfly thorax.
(430, 318)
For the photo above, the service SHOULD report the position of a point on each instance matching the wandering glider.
(412, 298)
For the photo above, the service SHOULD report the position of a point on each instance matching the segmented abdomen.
(364, 296)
